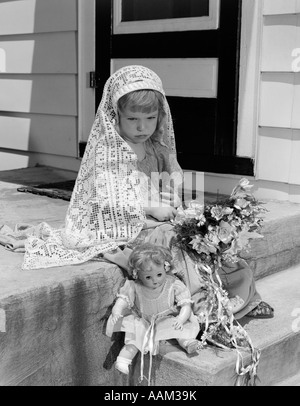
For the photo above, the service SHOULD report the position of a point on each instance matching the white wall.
(38, 83)
(279, 119)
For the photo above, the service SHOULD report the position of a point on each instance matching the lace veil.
(106, 207)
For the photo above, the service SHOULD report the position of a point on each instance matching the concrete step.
(278, 339)
(291, 381)
(54, 324)
(280, 247)
(278, 250)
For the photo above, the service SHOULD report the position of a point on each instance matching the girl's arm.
(161, 213)
(184, 315)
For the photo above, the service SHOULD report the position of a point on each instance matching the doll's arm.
(184, 315)
(117, 309)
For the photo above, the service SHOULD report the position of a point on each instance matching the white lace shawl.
(106, 207)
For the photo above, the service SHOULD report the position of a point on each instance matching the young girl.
(140, 122)
(155, 306)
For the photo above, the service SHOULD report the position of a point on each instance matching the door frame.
(86, 60)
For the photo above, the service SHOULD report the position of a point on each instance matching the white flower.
(202, 220)
(225, 232)
(241, 203)
(193, 211)
(212, 236)
(242, 189)
(244, 183)
(218, 212)
(211, 246)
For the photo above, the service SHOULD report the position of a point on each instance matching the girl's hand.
(178, 325)
(165, 213)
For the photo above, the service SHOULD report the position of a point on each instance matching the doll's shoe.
(122, 365)
(191, 346)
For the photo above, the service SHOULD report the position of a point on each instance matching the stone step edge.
(293, 380)
(278, 339)
(199, 375)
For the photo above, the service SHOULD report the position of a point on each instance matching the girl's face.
(153, 276)
(137, 127)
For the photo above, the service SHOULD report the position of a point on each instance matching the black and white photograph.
(150, 195)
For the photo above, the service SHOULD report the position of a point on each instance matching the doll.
(154, 306)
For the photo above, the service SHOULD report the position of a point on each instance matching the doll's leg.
(190, 346)
(125, 358)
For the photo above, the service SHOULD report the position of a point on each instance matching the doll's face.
(137, 127)
(153, 276)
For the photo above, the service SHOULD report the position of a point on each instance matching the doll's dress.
(149, 319)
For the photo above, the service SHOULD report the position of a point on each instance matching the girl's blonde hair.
(145, 253)
(145, 101)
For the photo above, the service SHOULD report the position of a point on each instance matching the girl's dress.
(150, 319)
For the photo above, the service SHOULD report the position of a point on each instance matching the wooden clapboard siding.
(47, 94)
(279, 150)
(32, 16)
(23, 132)
(281, 7)
(279, 121)
(294, 175)
(40, 53)
(13, 159)
(281, 37)
(38, 79)
(277, 98)
(274, 153)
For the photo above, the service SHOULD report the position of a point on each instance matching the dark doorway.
(205, 128)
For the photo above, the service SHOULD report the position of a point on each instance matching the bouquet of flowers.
(215, 235)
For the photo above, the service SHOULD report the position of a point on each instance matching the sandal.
(262, 311)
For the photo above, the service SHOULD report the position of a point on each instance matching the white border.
(175, 24)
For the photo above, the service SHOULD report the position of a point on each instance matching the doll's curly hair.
(145, 253)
